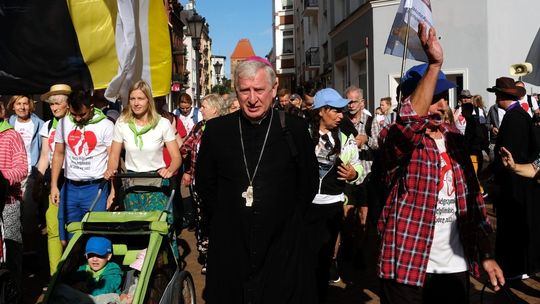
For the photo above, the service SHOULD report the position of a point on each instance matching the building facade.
(479, 43)
(284, 50)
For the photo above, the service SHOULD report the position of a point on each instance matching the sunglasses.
(327, 144)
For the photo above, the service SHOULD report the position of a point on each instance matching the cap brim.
(46, 96)
(492, 89)
(443, 85)
(97, 253)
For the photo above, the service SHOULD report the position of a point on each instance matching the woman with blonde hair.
(28, 124)
(480, 108)
(143, 133)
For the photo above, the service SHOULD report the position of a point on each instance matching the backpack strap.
(367, 127)
(288, 135)
(529, 101)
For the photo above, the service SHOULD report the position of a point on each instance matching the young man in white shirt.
(87, 133)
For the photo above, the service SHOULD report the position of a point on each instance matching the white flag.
(420, 11)
(534, 58)
(143, 48)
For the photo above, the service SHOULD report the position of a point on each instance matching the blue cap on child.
(98, 245)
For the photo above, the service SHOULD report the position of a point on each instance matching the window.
(286, 4)
(288, 45)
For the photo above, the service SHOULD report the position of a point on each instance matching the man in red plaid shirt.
(433, 225)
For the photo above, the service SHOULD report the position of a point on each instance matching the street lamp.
(217, 69)
(195, 26)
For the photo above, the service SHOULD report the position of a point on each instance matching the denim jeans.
(75, 201)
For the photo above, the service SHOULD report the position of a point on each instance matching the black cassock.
(257, 254)
(518, 205)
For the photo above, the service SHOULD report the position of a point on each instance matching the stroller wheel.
(187, 288)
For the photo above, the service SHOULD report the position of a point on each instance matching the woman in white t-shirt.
(143, 133)
(28, 124)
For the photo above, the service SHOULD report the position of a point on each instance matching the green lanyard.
(98, 116)
(54, 123)
(4, 125)
(138, 134)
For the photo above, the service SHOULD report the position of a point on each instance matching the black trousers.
(325, 223)
(451, 288)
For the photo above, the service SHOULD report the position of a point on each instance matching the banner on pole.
(420, 11)
(87, 44)
(534, 58)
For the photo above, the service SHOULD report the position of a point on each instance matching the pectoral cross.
(248, 196)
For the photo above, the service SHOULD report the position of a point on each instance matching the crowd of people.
(273, 176)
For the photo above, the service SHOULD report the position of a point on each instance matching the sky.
(232, 20)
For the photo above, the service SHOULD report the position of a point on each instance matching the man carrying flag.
(433, 226)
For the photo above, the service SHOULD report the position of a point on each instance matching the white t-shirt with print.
(86, 153)
(26, 129)
(150, 157)
(447, 255)
(49, 134)
(459, 119)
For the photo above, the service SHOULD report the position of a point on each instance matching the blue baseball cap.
(329, 97)
(413, 75)
(98, 245)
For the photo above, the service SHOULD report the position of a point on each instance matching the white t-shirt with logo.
(86, 148)
(26, 129)
(150, 157)
(459, 119)
(524, 103)
(49, 134)
(446, 255)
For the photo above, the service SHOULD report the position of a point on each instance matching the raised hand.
(430, 44)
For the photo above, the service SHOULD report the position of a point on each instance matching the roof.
(243, 49)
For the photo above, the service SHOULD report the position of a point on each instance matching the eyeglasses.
(327, 143)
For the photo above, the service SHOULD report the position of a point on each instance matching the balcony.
(312, 57)
(311, 8)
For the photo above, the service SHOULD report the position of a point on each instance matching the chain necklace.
(248, 194)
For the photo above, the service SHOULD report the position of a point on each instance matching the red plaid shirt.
(190, 147)
(407, 222)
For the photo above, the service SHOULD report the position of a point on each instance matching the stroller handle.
(96, 199)
(136, 175)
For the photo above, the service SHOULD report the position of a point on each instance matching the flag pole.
(404, 58)
(366, 43)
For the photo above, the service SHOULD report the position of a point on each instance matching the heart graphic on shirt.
(51, 139)
(525, 106)
(81, 143)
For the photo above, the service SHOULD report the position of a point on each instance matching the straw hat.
(57, 89)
